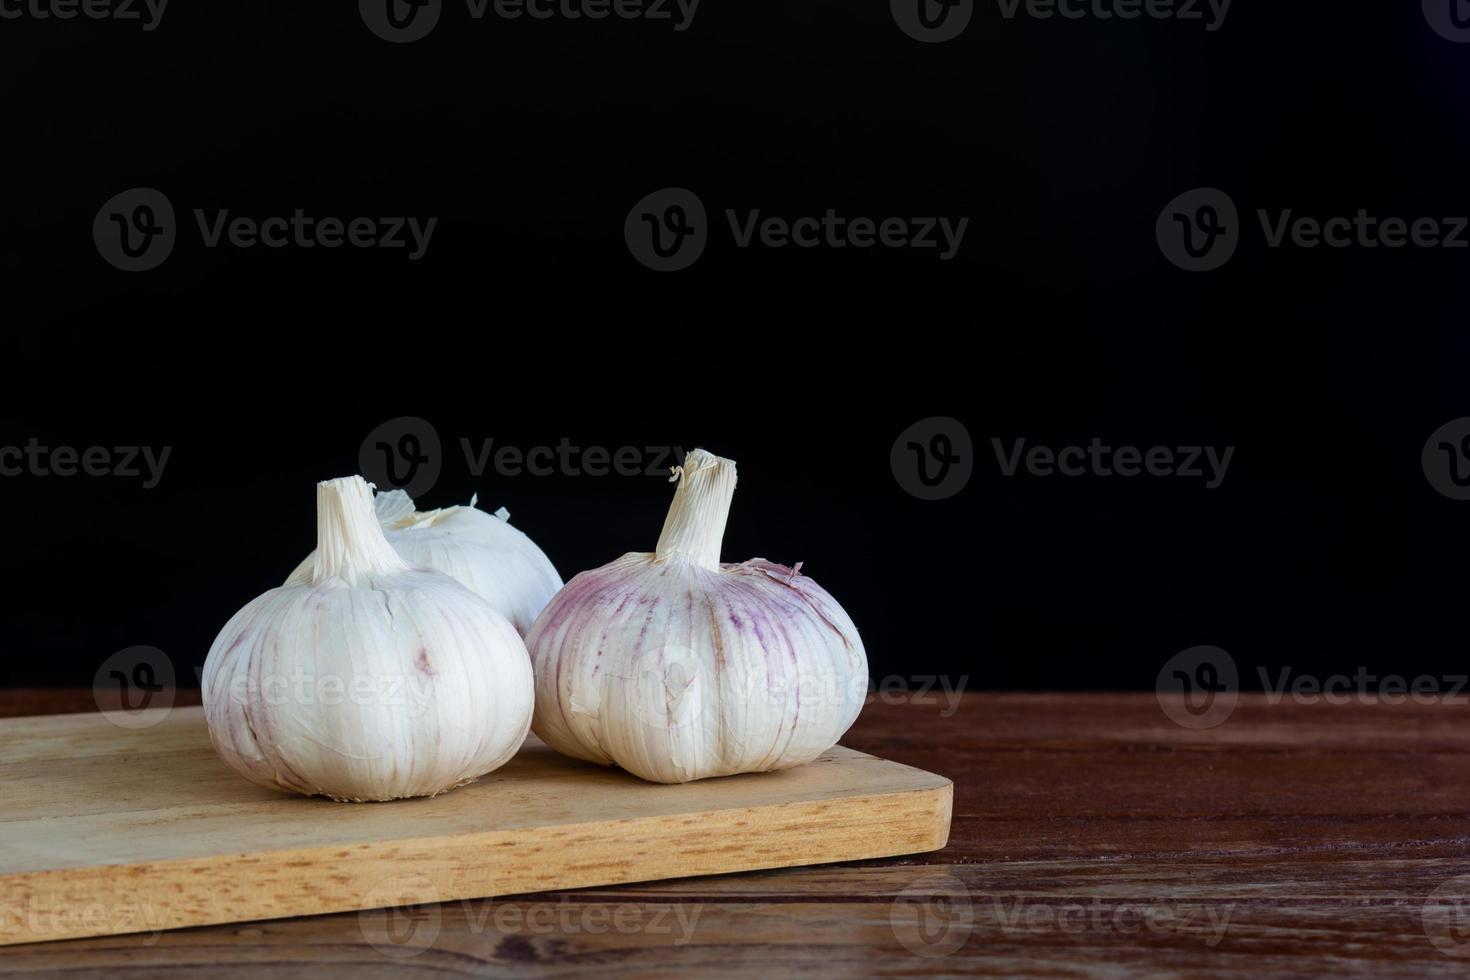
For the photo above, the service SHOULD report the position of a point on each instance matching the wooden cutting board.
(106, 829)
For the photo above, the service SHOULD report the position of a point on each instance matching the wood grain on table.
(1092, 836)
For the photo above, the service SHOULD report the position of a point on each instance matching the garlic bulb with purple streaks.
(677, 667)
(482, 551)
(366, 678)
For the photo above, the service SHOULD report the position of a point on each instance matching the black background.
(1325, 549)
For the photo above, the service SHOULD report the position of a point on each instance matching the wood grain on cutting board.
(106, 829)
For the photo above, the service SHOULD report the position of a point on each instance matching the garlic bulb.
(677, 667)
(369, 679)
(481, 550)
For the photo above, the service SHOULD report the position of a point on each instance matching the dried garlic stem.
(349, 541)
(695, 525)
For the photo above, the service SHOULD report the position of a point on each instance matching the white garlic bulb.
(480, 550)
(370, 679)
(677, 667)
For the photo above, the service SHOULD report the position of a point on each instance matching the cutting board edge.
(910, 821)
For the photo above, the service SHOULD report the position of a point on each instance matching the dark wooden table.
(1092, 837)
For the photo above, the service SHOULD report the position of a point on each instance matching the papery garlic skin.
(482, 551)
(373, 680)
(676, 667)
